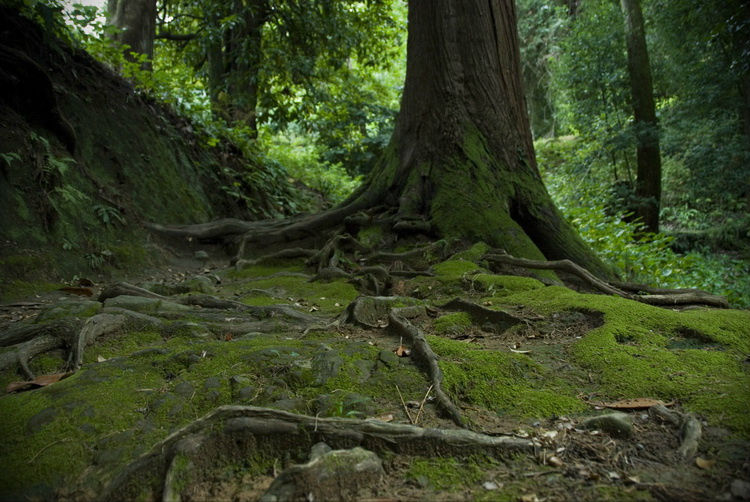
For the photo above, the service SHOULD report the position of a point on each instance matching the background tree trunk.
(136, 20)
(648, 178)
(462, 155)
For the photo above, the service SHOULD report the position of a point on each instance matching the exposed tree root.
(22, 353)
(372, 312)
(287, 253)
(423, 352)
(690, 429)
(239, 431)
(211, 302)
(693, 297)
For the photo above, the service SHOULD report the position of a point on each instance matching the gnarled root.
(423, 352)
(664, 298)
(238, 431)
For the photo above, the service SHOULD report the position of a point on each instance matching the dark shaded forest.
(376, 250)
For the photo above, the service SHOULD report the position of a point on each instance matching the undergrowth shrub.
(582, 192)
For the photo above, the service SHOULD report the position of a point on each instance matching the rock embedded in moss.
(618, 425)
(335, 475)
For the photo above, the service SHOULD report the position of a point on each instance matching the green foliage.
(108, 215)
(302, 161)
(647, 259)
(9, 157)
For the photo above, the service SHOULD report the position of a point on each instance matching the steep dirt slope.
(84, 160)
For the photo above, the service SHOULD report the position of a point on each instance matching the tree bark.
(136, 20)
(234, 63)
(462, 156)
(648, 178)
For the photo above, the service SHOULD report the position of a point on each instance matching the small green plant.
(108, 215)
(98, 259)
(9, 157)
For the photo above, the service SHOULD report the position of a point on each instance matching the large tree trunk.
(136, 20)
(461, 162)
(648, 178)
(462, 154)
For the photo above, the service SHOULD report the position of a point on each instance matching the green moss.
(126, 256)
(451, 270)
(371, 236)
(452, 323)
(472, 195)
(506, 383)
(638, 352)
(474, 253)
(268, 267)
(324, 295)
(80, 309)
(501, 285)
(50, 435)
(447, 473)
(17, 289)
(122, 345)
(47, 364)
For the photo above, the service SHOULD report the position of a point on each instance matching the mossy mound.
(694, 357)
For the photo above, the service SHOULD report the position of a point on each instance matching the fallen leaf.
(531, 497)
(314, 308)
(704, 463)
(40, 381)
(228, 337)
(638, 403)
(402, 351)
(100, 359)
(73, 290)
(490, 485)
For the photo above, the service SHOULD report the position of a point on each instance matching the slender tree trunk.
(745, 106)
(136, 20)
(648, 178)
(462, 156)
(234, 61)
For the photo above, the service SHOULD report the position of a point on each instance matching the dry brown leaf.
(40, 381)
(402, 351)
(704, 464)
(638, 403)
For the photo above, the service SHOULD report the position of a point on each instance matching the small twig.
(411, 421)
(63, 440)
(421, 405)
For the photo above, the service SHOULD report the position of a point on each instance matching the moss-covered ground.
(571, 354)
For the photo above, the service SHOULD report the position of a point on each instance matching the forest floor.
(204, 381)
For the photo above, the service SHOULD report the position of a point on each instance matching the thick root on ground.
(666, 298)
(244, 431)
